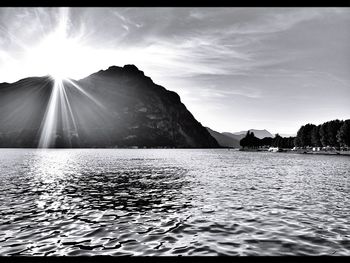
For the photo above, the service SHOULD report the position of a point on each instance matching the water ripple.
(172, 202)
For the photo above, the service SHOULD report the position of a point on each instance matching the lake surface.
(172, 202)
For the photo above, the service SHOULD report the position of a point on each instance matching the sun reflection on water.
(52, 170)
(52, 164)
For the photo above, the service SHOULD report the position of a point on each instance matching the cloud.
(215, 92)
(249, 61)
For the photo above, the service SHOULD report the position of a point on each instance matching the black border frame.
(175, 3)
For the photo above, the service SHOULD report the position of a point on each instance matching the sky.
(234, 68)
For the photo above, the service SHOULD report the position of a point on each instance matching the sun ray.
(67, 116)
(57, 55)
(58, 103)
(87, 94)
(64, 111)
(67, 102)
(50, 119)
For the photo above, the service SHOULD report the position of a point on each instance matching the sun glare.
(58, 55)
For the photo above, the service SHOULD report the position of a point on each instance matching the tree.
(343, 135)
(315, 136)
(250, 140)
(324, 134)
(297, 142)
(291, 142)
(254, 141)
(329, 131)
(244, 141)
(266, 141)
(287, 142)
(332, 131)
(304, 135)
(277, 141)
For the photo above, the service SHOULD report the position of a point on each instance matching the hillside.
(117, 107)
(224, 140)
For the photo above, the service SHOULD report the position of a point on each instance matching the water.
(172, 202)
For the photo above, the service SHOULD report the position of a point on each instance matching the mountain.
(237, 137)
(258, 133)
(117, 107)
(224, 140)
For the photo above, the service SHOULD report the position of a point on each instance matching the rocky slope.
(236, 137)
(117, 107)
(224, 140)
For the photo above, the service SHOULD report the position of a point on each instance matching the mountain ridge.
(116, 107)
(224, 140)
(258, 133)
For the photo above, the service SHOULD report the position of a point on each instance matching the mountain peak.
(115, 107)
(128, 68)
(261, 133)
(258, 133)
(131, 67)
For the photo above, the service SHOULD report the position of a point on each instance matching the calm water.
(173, 202)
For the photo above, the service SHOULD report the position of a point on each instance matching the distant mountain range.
(223, 139)
(228, 139)
(117, 107)
(237, 137)
(258, 133)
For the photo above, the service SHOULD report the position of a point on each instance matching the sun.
(59, 56)
(69, 51)
(57, 53)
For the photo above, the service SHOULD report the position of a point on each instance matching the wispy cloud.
(224, 58)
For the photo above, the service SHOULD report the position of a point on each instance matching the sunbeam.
(59, 119)
(58, 105)
(69, 108)
(67, 115)
(86, 94)
(50, 119)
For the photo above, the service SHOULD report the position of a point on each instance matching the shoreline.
(289, 151)
(335, 153)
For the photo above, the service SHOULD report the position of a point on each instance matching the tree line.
(335, 133)
(250, 141)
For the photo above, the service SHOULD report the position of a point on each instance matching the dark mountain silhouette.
(258, 133)
(117, 107)
(224, 140)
